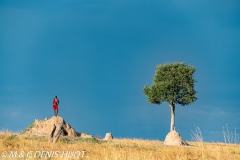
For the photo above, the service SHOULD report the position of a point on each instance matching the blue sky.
(97, 56)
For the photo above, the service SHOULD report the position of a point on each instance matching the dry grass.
(117, 149)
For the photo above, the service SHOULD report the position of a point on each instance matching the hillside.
(17, 146)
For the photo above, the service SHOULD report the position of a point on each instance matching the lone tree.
(173, 83)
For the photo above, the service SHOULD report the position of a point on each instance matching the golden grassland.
(117, 149)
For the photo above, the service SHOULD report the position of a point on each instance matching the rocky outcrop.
(45, 127)
(173, 138)
(54, 128)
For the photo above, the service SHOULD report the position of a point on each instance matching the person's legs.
(56, 112)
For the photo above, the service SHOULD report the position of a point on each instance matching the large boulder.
(45, 127)
(173, 138)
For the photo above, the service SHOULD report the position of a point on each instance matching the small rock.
(84, 135)
(108, 136)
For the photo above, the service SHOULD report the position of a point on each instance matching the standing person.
(55, 105)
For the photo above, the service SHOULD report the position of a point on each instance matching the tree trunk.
(172, 125)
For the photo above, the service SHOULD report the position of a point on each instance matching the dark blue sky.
(97, 56)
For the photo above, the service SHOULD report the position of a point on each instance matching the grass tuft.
(28, 128)
(196, 135)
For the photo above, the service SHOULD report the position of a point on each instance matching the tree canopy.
(172, 83)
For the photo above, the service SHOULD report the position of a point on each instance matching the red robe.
(55, 104)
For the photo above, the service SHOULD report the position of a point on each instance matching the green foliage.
(172, 83)
(79, 140)
(134, 146)
(65, 140)
(28, 128)
(89, 140)
(11, 137)
(36, 137)
(11, 140)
